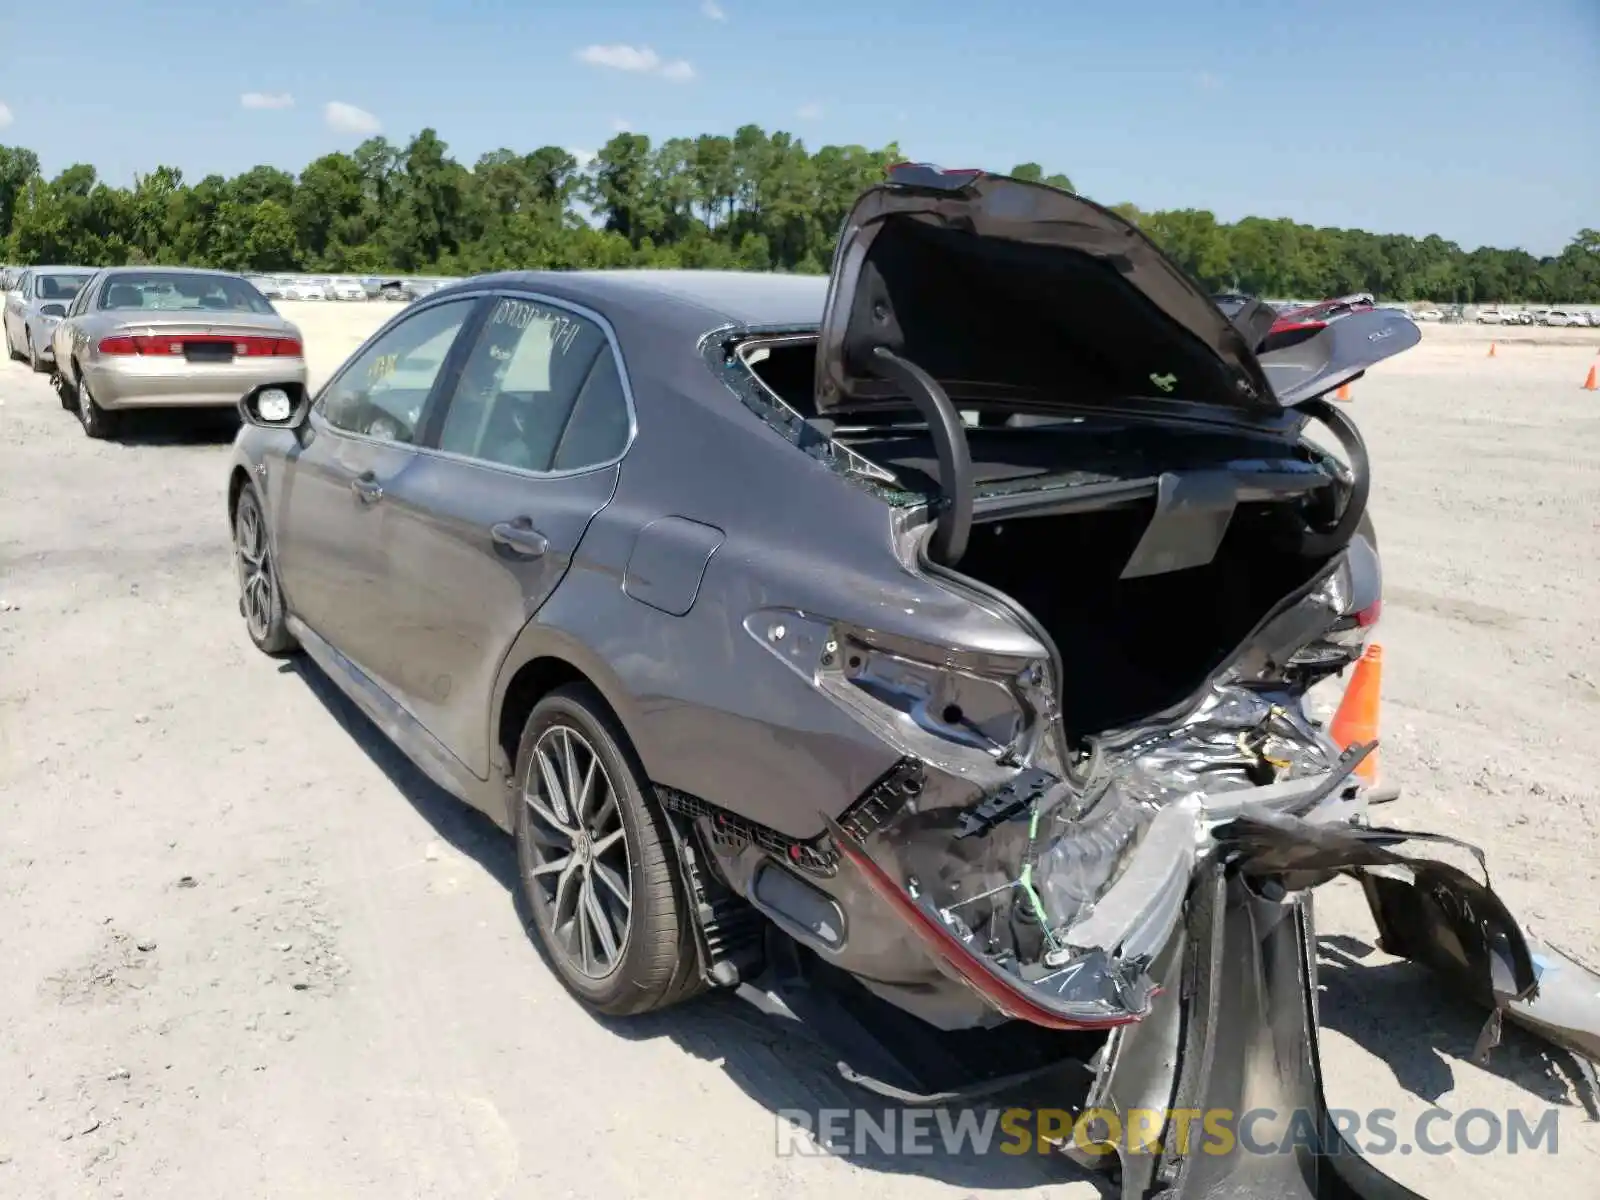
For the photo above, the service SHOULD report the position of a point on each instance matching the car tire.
(65, 392)
(11, 350)
(266, 617)
(575, 857)
(96, 421)
(40, 367)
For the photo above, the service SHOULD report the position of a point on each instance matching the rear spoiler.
(1338, 353)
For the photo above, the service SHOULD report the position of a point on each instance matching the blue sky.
(1470, 118)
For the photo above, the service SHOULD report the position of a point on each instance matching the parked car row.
(1489, 315)
(344, 287)
(123, 338)
(1553, 317)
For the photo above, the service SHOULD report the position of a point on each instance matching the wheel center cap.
(582, 845)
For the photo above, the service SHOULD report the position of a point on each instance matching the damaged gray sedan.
(921, 652)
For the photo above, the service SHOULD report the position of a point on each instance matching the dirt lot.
(249, 952)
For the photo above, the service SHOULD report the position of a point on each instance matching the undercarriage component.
(878, 1047)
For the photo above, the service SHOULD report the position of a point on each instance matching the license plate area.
(208, 350)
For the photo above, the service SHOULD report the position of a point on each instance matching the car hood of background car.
(1025, 297)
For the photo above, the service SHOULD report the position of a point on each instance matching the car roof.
(706, 298)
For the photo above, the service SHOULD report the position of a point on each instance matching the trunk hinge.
(954, 521)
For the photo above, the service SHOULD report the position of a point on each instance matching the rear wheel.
(260, 599)
(96, 421)
(38, 364)
(596, 860)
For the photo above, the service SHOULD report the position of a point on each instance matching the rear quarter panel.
(710, 710)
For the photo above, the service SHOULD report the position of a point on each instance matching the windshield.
(59, 287)
(172, 290)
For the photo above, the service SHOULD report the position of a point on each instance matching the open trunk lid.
(1021, 296)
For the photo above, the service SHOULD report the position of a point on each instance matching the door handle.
(367, 488)
(520, 537)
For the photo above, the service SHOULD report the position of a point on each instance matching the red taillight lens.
(1355, 631)
(173, 344)
(267, 347)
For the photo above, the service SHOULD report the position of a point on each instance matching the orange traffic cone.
(1343, 393)
(1356, 720)
(1589, 383)
(1491, 349)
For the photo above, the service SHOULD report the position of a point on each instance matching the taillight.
(267, 347)
(152, 346)
(1353, 632)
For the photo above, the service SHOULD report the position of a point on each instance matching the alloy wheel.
(257, 588)
(86, 413)
(580, 861)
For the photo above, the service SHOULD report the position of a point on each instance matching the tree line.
(755, 201)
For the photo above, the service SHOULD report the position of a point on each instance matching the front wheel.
(596, 860)
(260, 598)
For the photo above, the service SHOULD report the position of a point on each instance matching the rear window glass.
(58, 287)
(170, 290)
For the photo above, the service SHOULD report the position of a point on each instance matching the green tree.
(752, 200)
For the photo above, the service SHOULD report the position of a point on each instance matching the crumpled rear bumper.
(1239, 1032)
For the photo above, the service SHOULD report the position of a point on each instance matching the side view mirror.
(276, 406)
(53, 310)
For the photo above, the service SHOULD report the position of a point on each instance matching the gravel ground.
(250, 952)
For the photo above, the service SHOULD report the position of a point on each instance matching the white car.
(1557, 318)
(305, 289)
(1491, 316)
(347, 289)
(1427, 314)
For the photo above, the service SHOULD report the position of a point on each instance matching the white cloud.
(809, 112)
(267, 100)
(347, 118)
(621, 58)
(621, 124)
(710, 8)
(584, 157)
(5, 116)
(640, 59)
(1207, 81)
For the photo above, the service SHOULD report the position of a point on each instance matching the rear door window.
(539, 391)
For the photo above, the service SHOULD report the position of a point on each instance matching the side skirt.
(427, 752)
